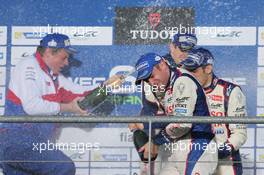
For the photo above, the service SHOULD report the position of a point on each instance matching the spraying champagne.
(99, 94)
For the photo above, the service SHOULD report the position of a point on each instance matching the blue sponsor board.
(235, 63)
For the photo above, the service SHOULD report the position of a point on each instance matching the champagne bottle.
(99, 94)
(140, 138)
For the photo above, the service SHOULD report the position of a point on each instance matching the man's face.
(57, 61)
(202, 74)
(160, 76)
(177, 54)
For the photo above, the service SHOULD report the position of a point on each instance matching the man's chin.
(56, 71)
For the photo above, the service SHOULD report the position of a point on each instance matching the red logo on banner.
(216, 98)
(154, 19)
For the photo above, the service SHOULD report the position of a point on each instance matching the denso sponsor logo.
(217, 113)
(216, 98)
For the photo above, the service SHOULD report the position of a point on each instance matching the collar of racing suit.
(168, 83)
(45, 67)
(213, 84)
(174, 73)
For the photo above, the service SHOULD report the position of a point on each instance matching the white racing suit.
(33, 90)
(193, 150)
(227, 99)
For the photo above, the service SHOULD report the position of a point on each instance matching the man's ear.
(48, 51)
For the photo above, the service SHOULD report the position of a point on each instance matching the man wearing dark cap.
(37, 87)
(184, 96)
(225, 99)
(179, 47)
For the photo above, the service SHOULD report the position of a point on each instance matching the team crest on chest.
(181, 88)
